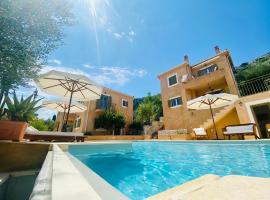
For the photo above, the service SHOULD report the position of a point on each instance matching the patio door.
(262, 116)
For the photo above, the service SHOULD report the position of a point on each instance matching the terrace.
(255, 85)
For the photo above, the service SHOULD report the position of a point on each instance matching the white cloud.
(117, 75)
(88, 66)
(55, 62)
(123, 35)
(104, 75)
(131, 33)
(117, 35)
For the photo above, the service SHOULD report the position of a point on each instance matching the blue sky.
(125, 44)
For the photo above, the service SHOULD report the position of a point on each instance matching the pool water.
(142, 169)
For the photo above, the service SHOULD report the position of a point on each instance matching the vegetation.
(23, 109)
(258, 67)
(110, 120)
(29, 31)
(149, 110)
(136, 128)
(43, 125)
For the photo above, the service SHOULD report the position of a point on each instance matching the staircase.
(218, 116)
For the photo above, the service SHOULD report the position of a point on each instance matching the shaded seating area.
(240, 130)
(33, 134)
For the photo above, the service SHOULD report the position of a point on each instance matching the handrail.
(255, 85)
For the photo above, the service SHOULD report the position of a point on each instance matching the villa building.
(84, 121)
(213, 75)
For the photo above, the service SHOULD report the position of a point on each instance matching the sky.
(126, 44)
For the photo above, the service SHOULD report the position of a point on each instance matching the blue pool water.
(142, 169)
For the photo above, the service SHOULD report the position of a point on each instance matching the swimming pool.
(142, 169)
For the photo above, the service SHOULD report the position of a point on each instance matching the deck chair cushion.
(200, 131)
(239, 129)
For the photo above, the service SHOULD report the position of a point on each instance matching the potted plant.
(18, 113)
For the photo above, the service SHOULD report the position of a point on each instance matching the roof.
(226, 52)
(109, 89)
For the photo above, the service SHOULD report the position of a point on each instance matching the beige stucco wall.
(88, 117)
(243, 105)
(182, 117)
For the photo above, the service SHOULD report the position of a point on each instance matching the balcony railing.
(256, 85)
(205, 71)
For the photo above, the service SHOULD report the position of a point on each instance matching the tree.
(29, 31)
(150, 109)
(39, 124)
(43, 125)
(110, 120)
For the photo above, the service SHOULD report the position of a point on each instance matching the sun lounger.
(33, 134)
(200, 133)
(240, 129)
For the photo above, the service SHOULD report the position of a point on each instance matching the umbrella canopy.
(62, 106)
(68, 85)
(210, 101)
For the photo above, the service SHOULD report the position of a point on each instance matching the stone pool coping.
(62, 176)
(214, 187)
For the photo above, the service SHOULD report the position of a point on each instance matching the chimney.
(186, 59)
(217, 50)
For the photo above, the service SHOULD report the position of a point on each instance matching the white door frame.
(249, 111)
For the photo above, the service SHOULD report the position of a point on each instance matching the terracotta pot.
(12, 130)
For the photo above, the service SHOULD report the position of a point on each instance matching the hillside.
(258, 67)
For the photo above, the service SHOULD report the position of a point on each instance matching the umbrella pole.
(213, 120)
(70, 99)
(63, 118)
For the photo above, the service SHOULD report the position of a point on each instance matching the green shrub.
(110, 120)
(136, 127)
(39, 124)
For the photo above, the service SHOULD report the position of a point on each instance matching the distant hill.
(255, 68)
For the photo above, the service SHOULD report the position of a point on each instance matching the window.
(175, 102)
(77, 122)
(124, 103)
(104, 102)
(207, 70)
(172, 80)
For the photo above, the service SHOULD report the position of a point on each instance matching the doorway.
(262, 117)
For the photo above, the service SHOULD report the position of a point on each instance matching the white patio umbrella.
(68, 85)
(210, 101)
(62, 106)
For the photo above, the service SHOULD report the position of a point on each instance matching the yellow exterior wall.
(181, 117)
(230, 119)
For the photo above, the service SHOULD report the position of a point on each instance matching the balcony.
(205, 70)
(202, 80)
(256, 85)
(104, 103)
